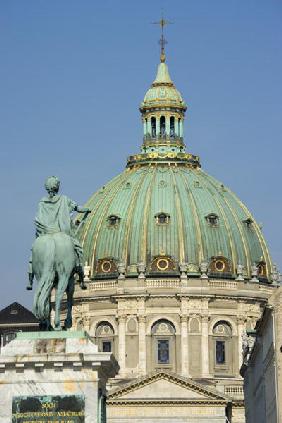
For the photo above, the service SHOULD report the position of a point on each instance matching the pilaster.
(205, 346)
(121, 342)
(142, 344)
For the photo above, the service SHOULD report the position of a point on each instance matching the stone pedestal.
(54, 376)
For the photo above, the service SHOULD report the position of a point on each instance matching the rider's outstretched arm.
(82, 210)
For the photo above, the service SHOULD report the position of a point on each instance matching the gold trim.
(234, 258)
(130, 209)
(144, 234)
(196, 220)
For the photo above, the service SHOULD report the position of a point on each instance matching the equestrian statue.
(56, 255)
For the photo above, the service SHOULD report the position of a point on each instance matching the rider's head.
(52, 185)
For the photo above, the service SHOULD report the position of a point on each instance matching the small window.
(248, 222)
(219, 265)
(220, 352)
(8, 337)
(261, 269)
(162, 125)
(107, 346)
(162, 218)
(172, 127)
(212, 219)
(163, 351)
(113, 220)
(153, 127)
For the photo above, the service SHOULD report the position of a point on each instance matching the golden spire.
(162, 41)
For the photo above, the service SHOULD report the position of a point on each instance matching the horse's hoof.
(29, 288)
(83, 286)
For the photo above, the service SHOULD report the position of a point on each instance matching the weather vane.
(163, 22)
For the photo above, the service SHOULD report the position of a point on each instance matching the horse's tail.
(41, 303)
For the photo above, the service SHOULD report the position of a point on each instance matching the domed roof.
(165, 213)
(168, 211)
(162, 91)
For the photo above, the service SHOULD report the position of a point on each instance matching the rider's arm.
(82, 209)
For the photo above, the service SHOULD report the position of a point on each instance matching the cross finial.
(162, 22)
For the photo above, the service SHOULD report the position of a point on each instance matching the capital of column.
(122, 318)
(183, 318)
(241, 320)
(142, 319)
(205, 319)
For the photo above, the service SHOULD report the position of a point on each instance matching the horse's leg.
(70, 291)
(61, 288)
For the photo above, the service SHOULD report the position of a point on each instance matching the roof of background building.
(15, 313)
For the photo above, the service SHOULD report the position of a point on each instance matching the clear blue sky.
(72, 75)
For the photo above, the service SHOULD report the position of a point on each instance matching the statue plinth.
(45, 375)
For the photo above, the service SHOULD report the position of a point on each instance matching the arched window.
(153, 127)
(163, 344)
(162, 126)
(261, 269)
(172, 127)
(222, 348)
(105, 337)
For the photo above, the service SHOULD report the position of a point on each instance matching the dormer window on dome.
(212, 219)
(248, 222)
(162, 218)
(113, 220)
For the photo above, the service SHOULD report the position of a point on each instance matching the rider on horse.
(53, 216)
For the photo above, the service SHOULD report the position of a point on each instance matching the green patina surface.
(53, 335)
(175, 184)
(188, 196)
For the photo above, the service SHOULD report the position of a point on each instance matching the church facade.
(177, 271)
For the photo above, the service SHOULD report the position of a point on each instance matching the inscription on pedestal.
(48, 409)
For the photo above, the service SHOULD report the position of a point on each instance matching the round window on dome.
(106, 266)
(163, 264)
(219, 265)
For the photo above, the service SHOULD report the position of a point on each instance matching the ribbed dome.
(177, 212)
(167, 215)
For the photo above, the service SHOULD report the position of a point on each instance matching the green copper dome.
(203, 220)
(164, 215)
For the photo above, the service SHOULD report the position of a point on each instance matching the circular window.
(106, 266)
(220, 265)
(162, 264)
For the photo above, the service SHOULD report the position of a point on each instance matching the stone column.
(184, 347)
(181, 128)
(241, 327)
(121, 343)
(157, 126)
(167, 125)
(176, 126)
(144, 127)
(205, 347)
(142, 344)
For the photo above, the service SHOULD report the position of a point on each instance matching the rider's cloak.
(53, 215)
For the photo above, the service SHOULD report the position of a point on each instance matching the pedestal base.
(53, 377)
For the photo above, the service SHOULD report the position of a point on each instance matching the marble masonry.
(54, 377)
